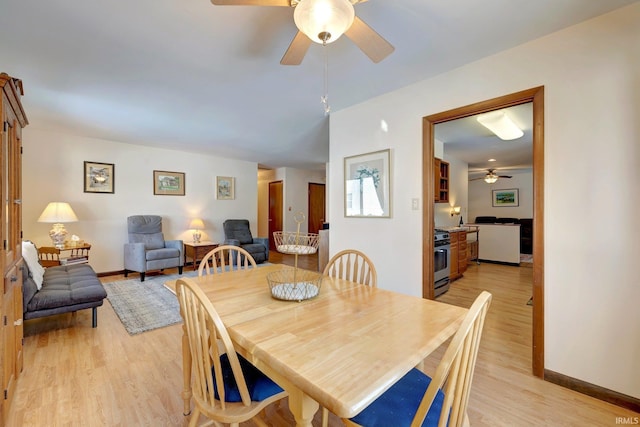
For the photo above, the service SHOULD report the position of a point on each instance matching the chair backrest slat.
(352, 265)
(208, 341)
(455, 371)
(218, 259)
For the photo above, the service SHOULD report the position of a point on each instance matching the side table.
(197, 251)
(51, 257)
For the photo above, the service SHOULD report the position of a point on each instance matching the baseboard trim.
(110, 273)
(593, 390)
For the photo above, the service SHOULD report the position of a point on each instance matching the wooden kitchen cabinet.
(11, 333)
(458, 254)
(441, 181)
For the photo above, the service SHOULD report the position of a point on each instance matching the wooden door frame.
(536, 96)
(324, 205)
(281, 209)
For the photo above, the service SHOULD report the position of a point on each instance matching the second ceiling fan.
(491, 176)
(323, 21)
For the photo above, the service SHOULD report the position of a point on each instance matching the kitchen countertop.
(457, 228)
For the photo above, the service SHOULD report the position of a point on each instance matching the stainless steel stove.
(441, 261)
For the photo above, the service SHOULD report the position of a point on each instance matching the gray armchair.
(147, 250)
(238, 233)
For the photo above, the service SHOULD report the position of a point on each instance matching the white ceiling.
(189, 75)
(472, 143)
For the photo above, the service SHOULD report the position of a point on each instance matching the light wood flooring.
(78, 376)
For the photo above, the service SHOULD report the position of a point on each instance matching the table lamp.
(57, 213)
(196, 225)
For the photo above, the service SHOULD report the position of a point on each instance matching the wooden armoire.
(13, 120)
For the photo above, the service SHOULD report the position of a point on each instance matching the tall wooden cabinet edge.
(11, 310)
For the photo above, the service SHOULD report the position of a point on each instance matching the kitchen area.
(483, 194)
(454, 247)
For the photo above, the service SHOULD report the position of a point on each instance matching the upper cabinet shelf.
(441, 181)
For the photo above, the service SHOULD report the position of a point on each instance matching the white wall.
(53, 169)
(265, 176)
(591, 74)
(295, 197)
(481, 194)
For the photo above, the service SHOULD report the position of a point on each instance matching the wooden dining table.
(341, 349)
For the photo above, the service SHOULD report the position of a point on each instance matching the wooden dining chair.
(417, 400)
(352, 265)
(355, 266)
(224, 258)
(226, 387)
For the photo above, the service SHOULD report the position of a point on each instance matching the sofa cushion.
(66, 286)
(507, 221)
(238, 229)
(257, 251)
(485, 220)
(30, 255)
(163, 253)
(29, 287)
(151, 241)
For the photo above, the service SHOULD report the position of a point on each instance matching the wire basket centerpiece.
(296, 284)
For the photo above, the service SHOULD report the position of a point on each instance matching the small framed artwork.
(98, 177)
(168, 183)
(367, 189)
(505, 198)
(225, 188)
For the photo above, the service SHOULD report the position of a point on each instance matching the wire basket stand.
(295, 285)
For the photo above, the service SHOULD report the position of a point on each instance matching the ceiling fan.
(491, 177)
(323, 21)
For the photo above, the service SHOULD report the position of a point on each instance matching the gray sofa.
(147, 250)
(238, 233)
(64, 289)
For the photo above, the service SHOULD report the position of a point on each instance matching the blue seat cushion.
(260, 386)
(398, 405)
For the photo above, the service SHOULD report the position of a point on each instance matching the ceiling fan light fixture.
(490, 178)
(499, 123)
(324, 21)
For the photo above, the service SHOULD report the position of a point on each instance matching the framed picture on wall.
(98, 177)
(367, 190)
(168, 183)
(225, 188)
(504, 198)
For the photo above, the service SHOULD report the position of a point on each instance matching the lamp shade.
(196, 224)
(324, 21)
(58, 212)
(499, 123)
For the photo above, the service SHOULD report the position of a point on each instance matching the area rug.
(144, 306)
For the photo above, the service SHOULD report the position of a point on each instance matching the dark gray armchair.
(147, 250)
(238, 233)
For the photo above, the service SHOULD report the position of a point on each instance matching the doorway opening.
(536, 96)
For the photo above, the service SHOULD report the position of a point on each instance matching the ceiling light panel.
(500, 124)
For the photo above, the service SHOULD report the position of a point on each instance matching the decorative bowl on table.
(294, 285)
(294, 243)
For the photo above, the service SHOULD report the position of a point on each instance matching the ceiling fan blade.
(251, 2)
(297, 50)
(476, 179)
(504, 176)
(370, 42)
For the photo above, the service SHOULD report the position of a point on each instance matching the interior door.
(316, 207)
(275, 210)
